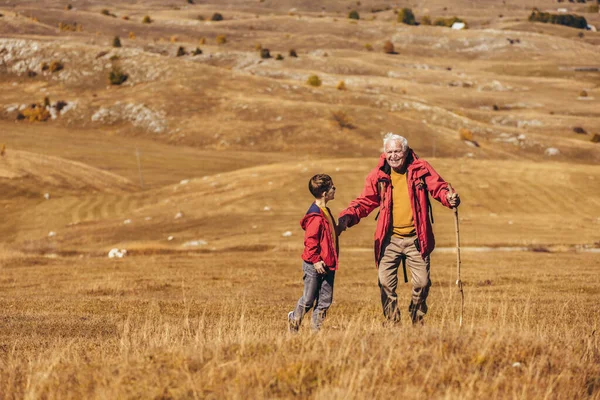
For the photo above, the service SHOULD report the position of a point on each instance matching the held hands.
(343, 223)
(453, 199)
(320, 267)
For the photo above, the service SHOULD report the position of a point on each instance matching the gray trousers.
(318, 291)
(394, 249)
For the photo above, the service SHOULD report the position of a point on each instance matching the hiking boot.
(292, 324)
(417, 312)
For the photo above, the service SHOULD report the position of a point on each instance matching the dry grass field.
(197, 165)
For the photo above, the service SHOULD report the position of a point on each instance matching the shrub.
(216, 17)
(448, 22)
(181, 51)
(342, 120)
(595, 138)
(125, 18)
(200, 17)
(56, 66)
(353, 15)
(369, 47)
(426, 20)
(221, 39)
(594, 8)
(258, 47)
(341, 85)
(74, 27)
(173, 39)
(190, 1)
(117, 42)
(406, 16)
(147, 20)
(574, 21)
(202, 40)
(131, 35)
(44, 66)
(465, 134)
(579, 130)
(314, 80)
(279, 57)
(388, 47)
(264, 53)
(35, 113)
(583, 93)
(106, 12)
(69, 7)
(197, 52)
(116, 76)
(293, 53)
(114, 57)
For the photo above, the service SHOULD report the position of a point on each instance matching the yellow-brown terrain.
(197, 165)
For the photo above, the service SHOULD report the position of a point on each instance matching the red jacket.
(318, 242)
(421, 179)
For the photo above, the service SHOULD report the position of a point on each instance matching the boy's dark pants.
(318, 290)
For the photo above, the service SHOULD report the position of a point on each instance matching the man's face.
(395, 154)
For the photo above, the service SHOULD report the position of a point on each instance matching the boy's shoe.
(292, 325)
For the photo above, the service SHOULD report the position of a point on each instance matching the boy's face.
(330, 194)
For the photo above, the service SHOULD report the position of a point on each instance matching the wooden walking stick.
(458, 281)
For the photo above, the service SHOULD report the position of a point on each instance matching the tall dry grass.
(213, 326)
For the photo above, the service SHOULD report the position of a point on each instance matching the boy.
(320, 256)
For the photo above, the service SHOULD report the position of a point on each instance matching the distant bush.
(147, 20)
(181, 51)
(116, 42)
(369, 47)
(217, 17)
(293, 53)
(465, 134)
(132, 35)
(221, 39)
(406, 16)
(202, 40)
(426, 20)
(353, 15)
(583, 93)
(279, 57)
(44, 66)
(106, 12)
(258, 47)
(594, 8)
(200, 17)
(114, 57)
(314, 80)
(69, 7)
(55, 66)
(579, 130)
(197, 52)
(448, 22)
(125, 17)
(388, 47)
(264, 53)
(595, 138)
(74, 27)
(574, 21)
(34, 113)
(190, 1)
(116, 76)
(341, 85)
(342, 120)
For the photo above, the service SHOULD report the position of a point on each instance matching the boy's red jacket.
(421, 179)
(318, 242)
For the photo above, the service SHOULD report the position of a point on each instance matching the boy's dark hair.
(319, 184)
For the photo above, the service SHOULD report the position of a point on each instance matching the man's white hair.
(390, 136)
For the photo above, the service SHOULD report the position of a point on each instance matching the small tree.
(279, 57)
(221, 39)
(293, 53)
(116, 76)
(353, 15)
(264, 53)
(406, 16)
(181, 51)
(117, 42)
(197, 52)
(217, 17)
(314, 80)
(147, 20)
(341, 85)
(369, 47)
(388, 47)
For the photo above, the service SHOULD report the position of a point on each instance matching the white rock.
(184, 182)
(148, 218)
(47, 196)
(552, 151)
(170, 238)
(459, 25)
(195, 243)
(116, 253)
(267, 208)
(179, 215)
(127, 222)
(51, 234)
(286, 234)
(517, 365)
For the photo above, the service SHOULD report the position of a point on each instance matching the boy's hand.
(343, 223)
(320, 267)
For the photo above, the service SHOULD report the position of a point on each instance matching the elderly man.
(399, 186)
